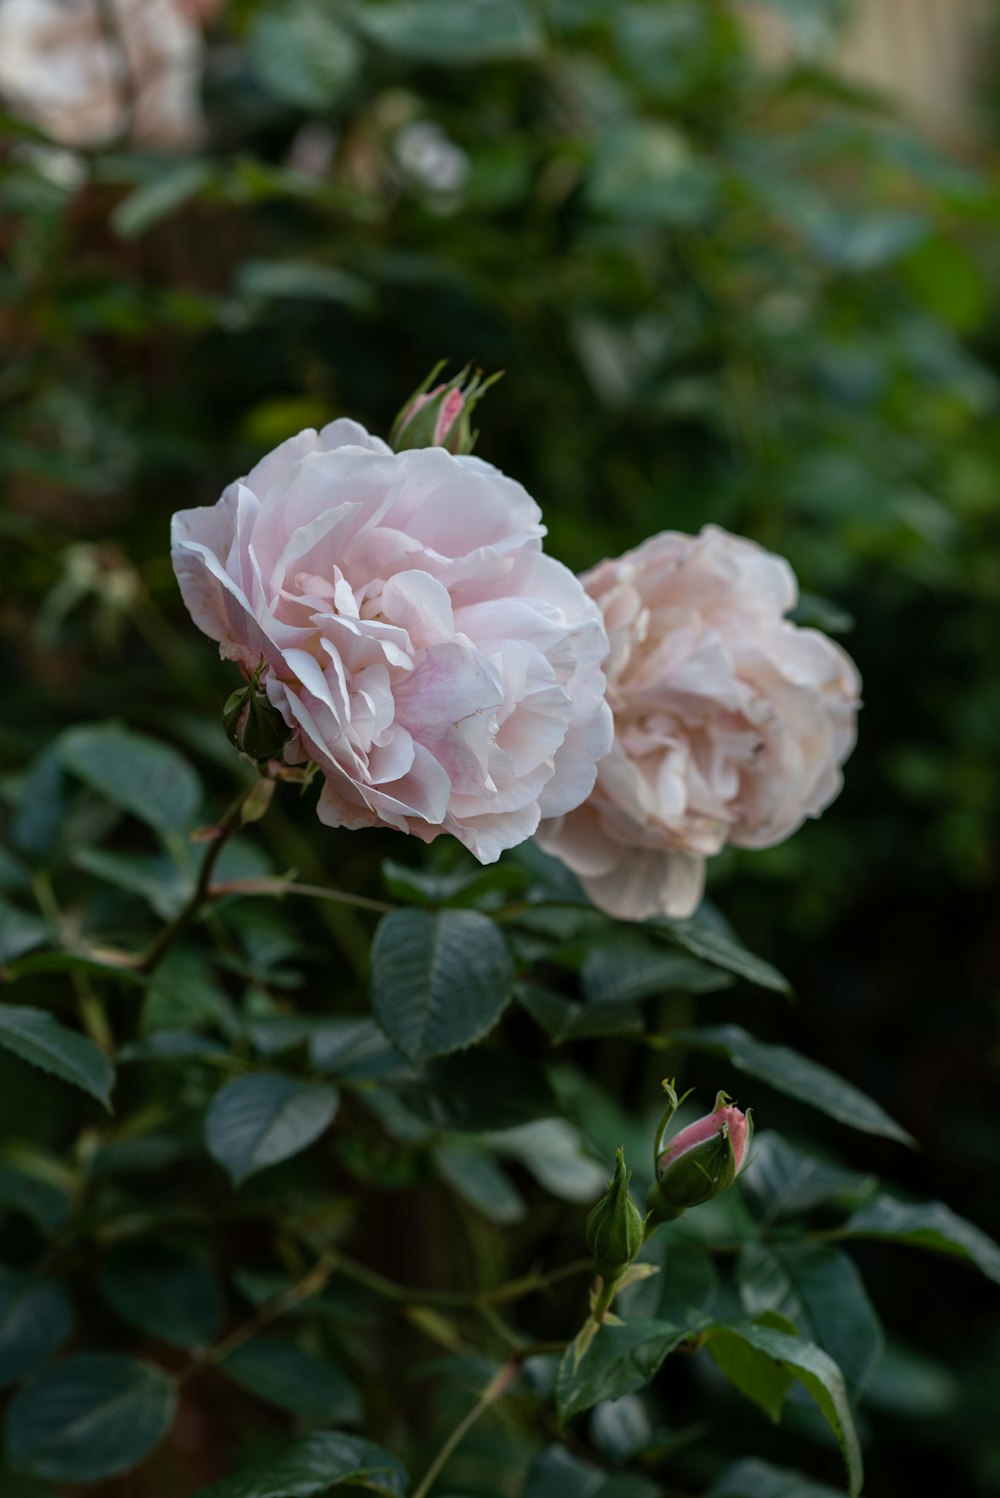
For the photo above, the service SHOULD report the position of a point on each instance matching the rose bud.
(702, 1161)
(615, 1227)
(440, 417)
(256, 727)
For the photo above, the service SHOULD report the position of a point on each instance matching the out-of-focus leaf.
(754, 1479)
(453, 32)
(311, 1465)
(926, 1225)
(155, 199)
(36, 1317)
(557, 1474)
(556, 1154)
(41, 1200)
(647, 172)
(482, 1090)
(563, 1019)
(137, 774)
(302, 55)
(20, 932)
(306, 279)
(685, 1289)
(156, 878)
(439, 982)
(259, 1120)
(283, 1374)
(787, 1071)
(787, 1181)
(166, 1293)
(93, 1416)
(37, 1037)
(472, 1171)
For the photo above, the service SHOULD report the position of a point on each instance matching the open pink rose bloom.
(731, 723)
(442, 671)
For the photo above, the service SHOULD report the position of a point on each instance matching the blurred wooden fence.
(931, 55)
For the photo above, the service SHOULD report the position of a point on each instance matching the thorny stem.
(202, 891)
(495, 1389)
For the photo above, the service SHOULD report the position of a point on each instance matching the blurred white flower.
(87, 71)
(430, 159)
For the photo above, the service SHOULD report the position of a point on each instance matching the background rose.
(440, 669)
(86, 74)
(731, 723)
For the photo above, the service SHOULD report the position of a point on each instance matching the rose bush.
(442, 671)
(731, 723)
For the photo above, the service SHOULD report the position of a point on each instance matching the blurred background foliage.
(726, 284)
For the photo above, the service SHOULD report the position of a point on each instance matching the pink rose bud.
(439, 417)
(702, 1161)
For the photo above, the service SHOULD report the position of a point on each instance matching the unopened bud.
(702, 1161)
(615, 1227)
(439, 416)
(253, 723)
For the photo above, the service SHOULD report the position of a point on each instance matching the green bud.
(252, 722)
(702, 1161)
(615, 1227)
(439, 417)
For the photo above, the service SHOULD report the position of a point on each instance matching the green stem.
(495, 1389)
(202, 891)
(605, 1296)
(285, 887)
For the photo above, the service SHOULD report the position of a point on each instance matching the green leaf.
(258, 1120)
(93, 1416)
(620, 1360)
(557, 1155)
(756, 1375)
(482, 1090)
(302, 55)
(753, 1479)
(35, 1036)
(308, 280)
(821, 1291)
(721, 949)
(562, 1019)
(137, 774)
(353, 1050)
(283, 1374)
(819, 1375)
(45, 1203)
(36, 1317)
(787, 1181)
(557, 1474)
(154, 200)
(787, 1071)
(926, 1225)
(154, 877)
(166, 1293)
(20, 932)
(453, 32)
(473, 1173)
(620, 972)
(310, 1466)
(439, 981)
(647, 172)
(684, 1290)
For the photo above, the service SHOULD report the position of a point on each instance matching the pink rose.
(443, 672)
(726, 1120)
(84, 74)
(731, 723)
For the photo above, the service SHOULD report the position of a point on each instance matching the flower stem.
(495, 1389)
(202, 891)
